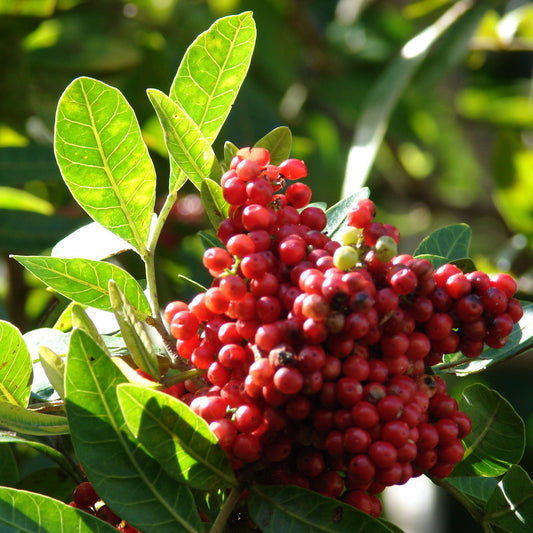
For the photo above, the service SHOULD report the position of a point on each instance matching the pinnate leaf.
(186, 144)
(103, 159)
(129, 480)
(451, 242)
(15, 366)
(497, 439)
(85, 281)
(179, 439)
(286, 508)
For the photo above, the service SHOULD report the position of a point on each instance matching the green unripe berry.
(345, 257)
(385, 248)
(350, 235)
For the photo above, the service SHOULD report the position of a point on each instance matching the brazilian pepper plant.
(291, 392)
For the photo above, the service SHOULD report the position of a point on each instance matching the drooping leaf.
(15, 366)
(386, 92)
(180, 440)
(497, 439)
(212, 71)
(511, 505)
(213, 201)
(285, 508)
(519, 342)
(92, 241)
(85, 281)
(278, 142)
(337, 213)
(129, 480)
(27, 422)
(19, 199)
(103, 159)
(451, 242)
(28, 511)
(54, 366)
(133, 333)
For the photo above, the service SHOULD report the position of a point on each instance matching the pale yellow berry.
(386, 248)
(345, 257)
(350, 235)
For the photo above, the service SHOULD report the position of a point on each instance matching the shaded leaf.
(476, 489)
(133, 333)
(337, 213)
(278, 142)
(497, 439)
(15, 366)
(229, 152)
(103, 159)
(19, 165)
(130, 481)
(85, 281)
(213, 201)
(511, 504)
(286, 508)
(451, 242)
(186, 145)
(28, 511)
(9, 472)
(20, 420)
(179, 439)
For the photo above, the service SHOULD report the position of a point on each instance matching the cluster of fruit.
(86, 499)
(317, 353)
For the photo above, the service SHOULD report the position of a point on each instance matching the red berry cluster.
(86, 499)
(317, 352)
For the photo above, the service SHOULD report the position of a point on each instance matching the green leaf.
(278, 142)
(386, 92)
(16, 418)
(214, 203)
(337, 213)
(31, 8)
(54, 367)
(18, 199)
(9, 472)
(92, 241)
(85, 281)
(179, 439)
(511, 504)
(104, 161)
(287, 508)
(497, 439)
(133, 333)
(130, 481)
(212, 71)
(451, 242)
(80, 320)
(23, 511)
(186, 145)
(229, 152)
(15, 366)
(477, 489)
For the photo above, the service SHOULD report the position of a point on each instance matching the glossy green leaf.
(278, 142)
(15, 366)
(212, 71)
(213, 201)
(511, 504)
(497, 439)
(54, 366)
(180, 440)
(477, 490)
(384, 95)
(133, 333)
(104, 161)
(337, 213)
(229, 152)
(18, 199)
(80, 320)
(23, 511)
(287, 508)
(451, 242)
(186, 145)
(92, 241)
(20, 420)
(85, 281)
(9, 472)
(129, 480)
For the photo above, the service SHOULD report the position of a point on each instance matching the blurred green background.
(458, 143)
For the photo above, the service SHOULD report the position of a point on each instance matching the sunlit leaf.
(134, 485)
(103, 159)
(85, 281)
(337, 213)
(278, 142)
(180, 440)
(451, 242)
(18, 199)
(497, 439)
(15, 366)
(20, 420)
(54, 366)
